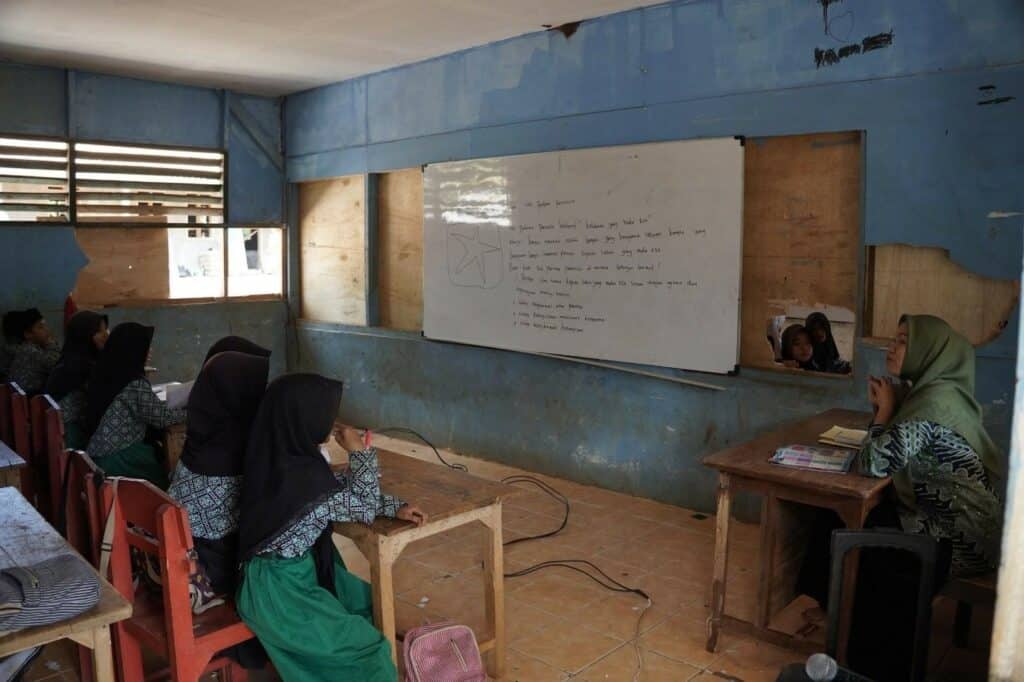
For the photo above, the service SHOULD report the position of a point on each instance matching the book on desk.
(829, 460)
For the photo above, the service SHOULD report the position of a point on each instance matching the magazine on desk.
(811, 458)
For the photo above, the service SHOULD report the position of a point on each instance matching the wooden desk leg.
(102, 655)
(769, 527)
(102, 652)
(853, 518)
(721, 561)
(494, 591)
(382, 561)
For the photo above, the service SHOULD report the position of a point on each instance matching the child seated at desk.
(208, 478)
(122, 407)
(946, 472)
(36, 355)
(313, 617)
(84, 337)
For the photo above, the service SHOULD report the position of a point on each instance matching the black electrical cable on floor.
(402, 429)
(550, 491)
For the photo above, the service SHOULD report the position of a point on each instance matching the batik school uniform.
(119, 447)
(208, 478)
(31, 366)
(72, 411)
(309, 634)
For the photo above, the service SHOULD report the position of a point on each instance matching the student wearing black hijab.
(36, 355)
(208, 478)
(312, 616)
(84, 337)
(122, 406)
(237, 344)
(826, 353)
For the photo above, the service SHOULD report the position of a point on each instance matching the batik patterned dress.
(955, 499)
(118, 445)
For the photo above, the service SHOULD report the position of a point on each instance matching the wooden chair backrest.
(79, 517)
(21, 433)
(141, 506)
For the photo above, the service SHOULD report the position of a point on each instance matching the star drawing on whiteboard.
(475, 252)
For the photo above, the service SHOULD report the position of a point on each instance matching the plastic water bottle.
(821, 668)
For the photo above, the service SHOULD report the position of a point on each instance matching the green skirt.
(135, 461)
(308, 632)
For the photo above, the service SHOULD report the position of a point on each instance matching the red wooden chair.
(188, 642)
(37, 406)
(21, 432)
(6, 421)
(79, 490)
(48, 420)
(44, 453)
(78, 517)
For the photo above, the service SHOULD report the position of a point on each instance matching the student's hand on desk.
(882, 395)
(792, 364)
(412, 513)
(349, 438)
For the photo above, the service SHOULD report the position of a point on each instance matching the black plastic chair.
(843, 541)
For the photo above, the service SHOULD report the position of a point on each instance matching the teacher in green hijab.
(928, 435)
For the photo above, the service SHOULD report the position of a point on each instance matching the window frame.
(74, 192)
(225, 225)
(70, 183)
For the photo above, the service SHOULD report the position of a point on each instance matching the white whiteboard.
(628, 253)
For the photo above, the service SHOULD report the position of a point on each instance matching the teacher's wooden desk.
(786, 492)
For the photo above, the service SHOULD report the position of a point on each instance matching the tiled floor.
(562, 626)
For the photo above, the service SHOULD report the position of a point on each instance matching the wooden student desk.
(784, 524)
(12, 467)
(449, 498)
(27, 539)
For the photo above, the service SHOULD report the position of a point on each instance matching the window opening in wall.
(34, 184)
(137, 184)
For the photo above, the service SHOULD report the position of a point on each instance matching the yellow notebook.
(843, 437)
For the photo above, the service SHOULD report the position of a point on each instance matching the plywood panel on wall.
(923, 280)
(400, 240)
(124, 264)
(801, 230)
(332, 256)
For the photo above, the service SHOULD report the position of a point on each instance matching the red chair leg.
(128, 656)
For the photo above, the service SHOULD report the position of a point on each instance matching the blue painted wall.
(39, 265)
(936, 164)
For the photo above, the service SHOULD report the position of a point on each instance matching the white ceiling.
(270, 47)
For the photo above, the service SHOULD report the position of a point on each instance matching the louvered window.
(134, 185)
(34, 180)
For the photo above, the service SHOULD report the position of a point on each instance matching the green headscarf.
(939, 364)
